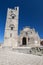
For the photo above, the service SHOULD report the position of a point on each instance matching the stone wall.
(29, 50)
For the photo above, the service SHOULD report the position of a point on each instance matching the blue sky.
(30, 14)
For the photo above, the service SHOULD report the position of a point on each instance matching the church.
(27, 38)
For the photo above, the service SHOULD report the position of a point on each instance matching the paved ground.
(9, 57)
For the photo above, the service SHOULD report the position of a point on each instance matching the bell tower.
(11, 28)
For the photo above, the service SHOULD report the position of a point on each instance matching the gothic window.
(41, 43)
(11, 28)
(12, 17)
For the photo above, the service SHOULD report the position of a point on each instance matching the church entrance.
(24, 41)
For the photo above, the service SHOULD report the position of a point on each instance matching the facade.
(28, 37)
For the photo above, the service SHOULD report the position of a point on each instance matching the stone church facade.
(28, 37)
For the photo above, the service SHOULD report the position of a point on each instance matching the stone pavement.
(9, 57)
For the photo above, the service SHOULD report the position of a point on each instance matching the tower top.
(15, 8)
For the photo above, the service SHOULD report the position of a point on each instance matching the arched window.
(12, 26)
(41, 43)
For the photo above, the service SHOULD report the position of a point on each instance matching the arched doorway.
(24, 41)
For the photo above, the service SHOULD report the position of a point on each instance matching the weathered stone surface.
(9, 57)
(11, 28)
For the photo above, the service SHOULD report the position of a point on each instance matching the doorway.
(24, 41)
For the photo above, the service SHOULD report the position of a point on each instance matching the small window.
(26, 33)
(12, 17)
(10, 34)
(41, 43)
(11, 28)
